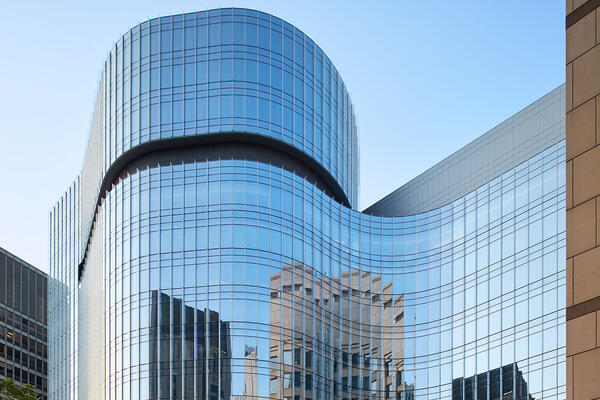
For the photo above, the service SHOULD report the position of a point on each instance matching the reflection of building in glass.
(222, 171)
(186, 347)
(23, 323)
(250, 374)
(504, 383)
(344, 328)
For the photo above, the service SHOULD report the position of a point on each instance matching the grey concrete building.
(23, 323)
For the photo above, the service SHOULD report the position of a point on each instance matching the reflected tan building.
(311, 316)
(250, 374)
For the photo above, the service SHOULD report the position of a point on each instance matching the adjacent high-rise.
(23, 323)
(212, 248)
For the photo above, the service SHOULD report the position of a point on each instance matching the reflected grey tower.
(211, 246)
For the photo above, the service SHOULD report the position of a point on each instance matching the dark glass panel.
(469, 388)
(32, 294)
(495, 384)
(17, 288)
(41, 299)
(482, 385)
(507, 380)
(3, 279)
(25, 291)
(9, 283)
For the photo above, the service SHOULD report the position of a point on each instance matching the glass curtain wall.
(312, 290)
(235, 278)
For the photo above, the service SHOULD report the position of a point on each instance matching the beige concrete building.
(583, 202)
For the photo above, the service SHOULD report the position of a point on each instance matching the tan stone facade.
(583, 198)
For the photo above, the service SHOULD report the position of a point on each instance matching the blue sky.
(425, 77)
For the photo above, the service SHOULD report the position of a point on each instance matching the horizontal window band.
(580, 12)
(223, 152)
(581, 309)
(222, 145)
(236, 145)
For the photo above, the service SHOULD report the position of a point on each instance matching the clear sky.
(425, 77)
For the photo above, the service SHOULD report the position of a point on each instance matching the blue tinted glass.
(190, 74)
(238, 33)
(251, 71)
(227, 70)
(177, 75)
(238, 69)
(214, 34)
(166, 78)
(165, 41)
(154, 43)
(226, 33)
(202, 35)
(235, 264)
(190, 37)
(251, 35)
(178, 39)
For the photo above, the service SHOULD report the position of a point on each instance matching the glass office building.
(23, 323)
(212, 248)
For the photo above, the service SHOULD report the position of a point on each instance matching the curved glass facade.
(234, 277)
(229, 70)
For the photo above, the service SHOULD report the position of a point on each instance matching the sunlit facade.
(212, 247)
